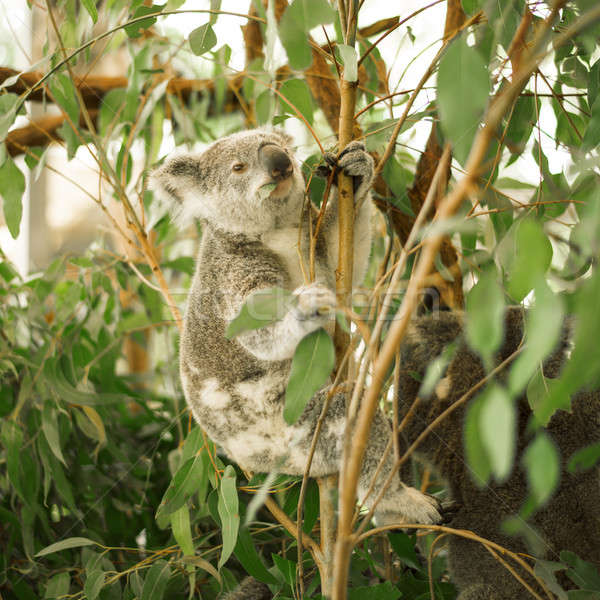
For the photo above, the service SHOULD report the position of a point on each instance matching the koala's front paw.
(314, 305)
(355, 162)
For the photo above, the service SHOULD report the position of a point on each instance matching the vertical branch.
(344, 285)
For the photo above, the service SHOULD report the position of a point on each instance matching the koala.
(254, 240)
(571, 518)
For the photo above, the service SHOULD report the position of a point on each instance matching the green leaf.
(64, 93)
(542, 330)
(72, 542)
(545, 571)
(299, 18)
(349, 60)
(594, 83)
(8, 113)
(12, 187)
(542, 464)
(380, 591)
(584, 459)
(497, 421)
(435, 370)
(90, 6)
(94, 582)
(260, 309)
(591, 137)
(50, 429)
(135, 29)
(311, 366)
(582, 573)
(202, 39)
(463, 88)
(184, 483)
(298, 93)
(229, 513)
(156, 581)
(58, 586)
(246, 553)
(475, 451)
(287, 568)
(485, 315)
(182, 532)
(404, 547)
(525, 254)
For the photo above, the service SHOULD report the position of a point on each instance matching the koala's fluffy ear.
(174, 180)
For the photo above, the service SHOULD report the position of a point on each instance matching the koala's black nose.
(275, 161)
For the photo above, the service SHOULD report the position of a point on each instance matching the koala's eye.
(238, 168)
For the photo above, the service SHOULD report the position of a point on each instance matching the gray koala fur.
(236, 387)
(569, 521)
(249, 589)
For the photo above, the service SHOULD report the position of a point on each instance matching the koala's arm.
(358, 164)
(310, 307)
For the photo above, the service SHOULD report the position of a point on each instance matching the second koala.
(250, 242)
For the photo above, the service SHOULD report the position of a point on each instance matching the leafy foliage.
(106, 489)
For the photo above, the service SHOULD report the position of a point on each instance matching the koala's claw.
(315, 303)
(354, 161)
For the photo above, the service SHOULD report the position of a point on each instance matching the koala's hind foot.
(410, 506)
(400, 503)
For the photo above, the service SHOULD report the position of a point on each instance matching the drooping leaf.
(463, 88)
(542, 464)
(349, 60)
(180, 525)
(246, 553)
(184, 483)
(287, 568)
(57, 586)
(311, 366)
(90, 6)
(94, 582)
(50, 429)
(584, 459)
(543, 327)
(497, 422)
(591, 137)
(228, 507)
(12, 187)
(475, 450)
(156, 581)
(202, 39)
(485, 315)
(298, 93)
(299, 18)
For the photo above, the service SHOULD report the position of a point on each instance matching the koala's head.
(248, 182)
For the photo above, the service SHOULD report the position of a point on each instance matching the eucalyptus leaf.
(202, 39)
(228, 507)
(463, 88)
(312, 364)
(542, 466)
(67, 543)
(497, 422)
(12, 187)
(261, 308)
(156, 581)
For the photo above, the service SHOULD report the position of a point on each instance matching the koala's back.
(571, 519)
